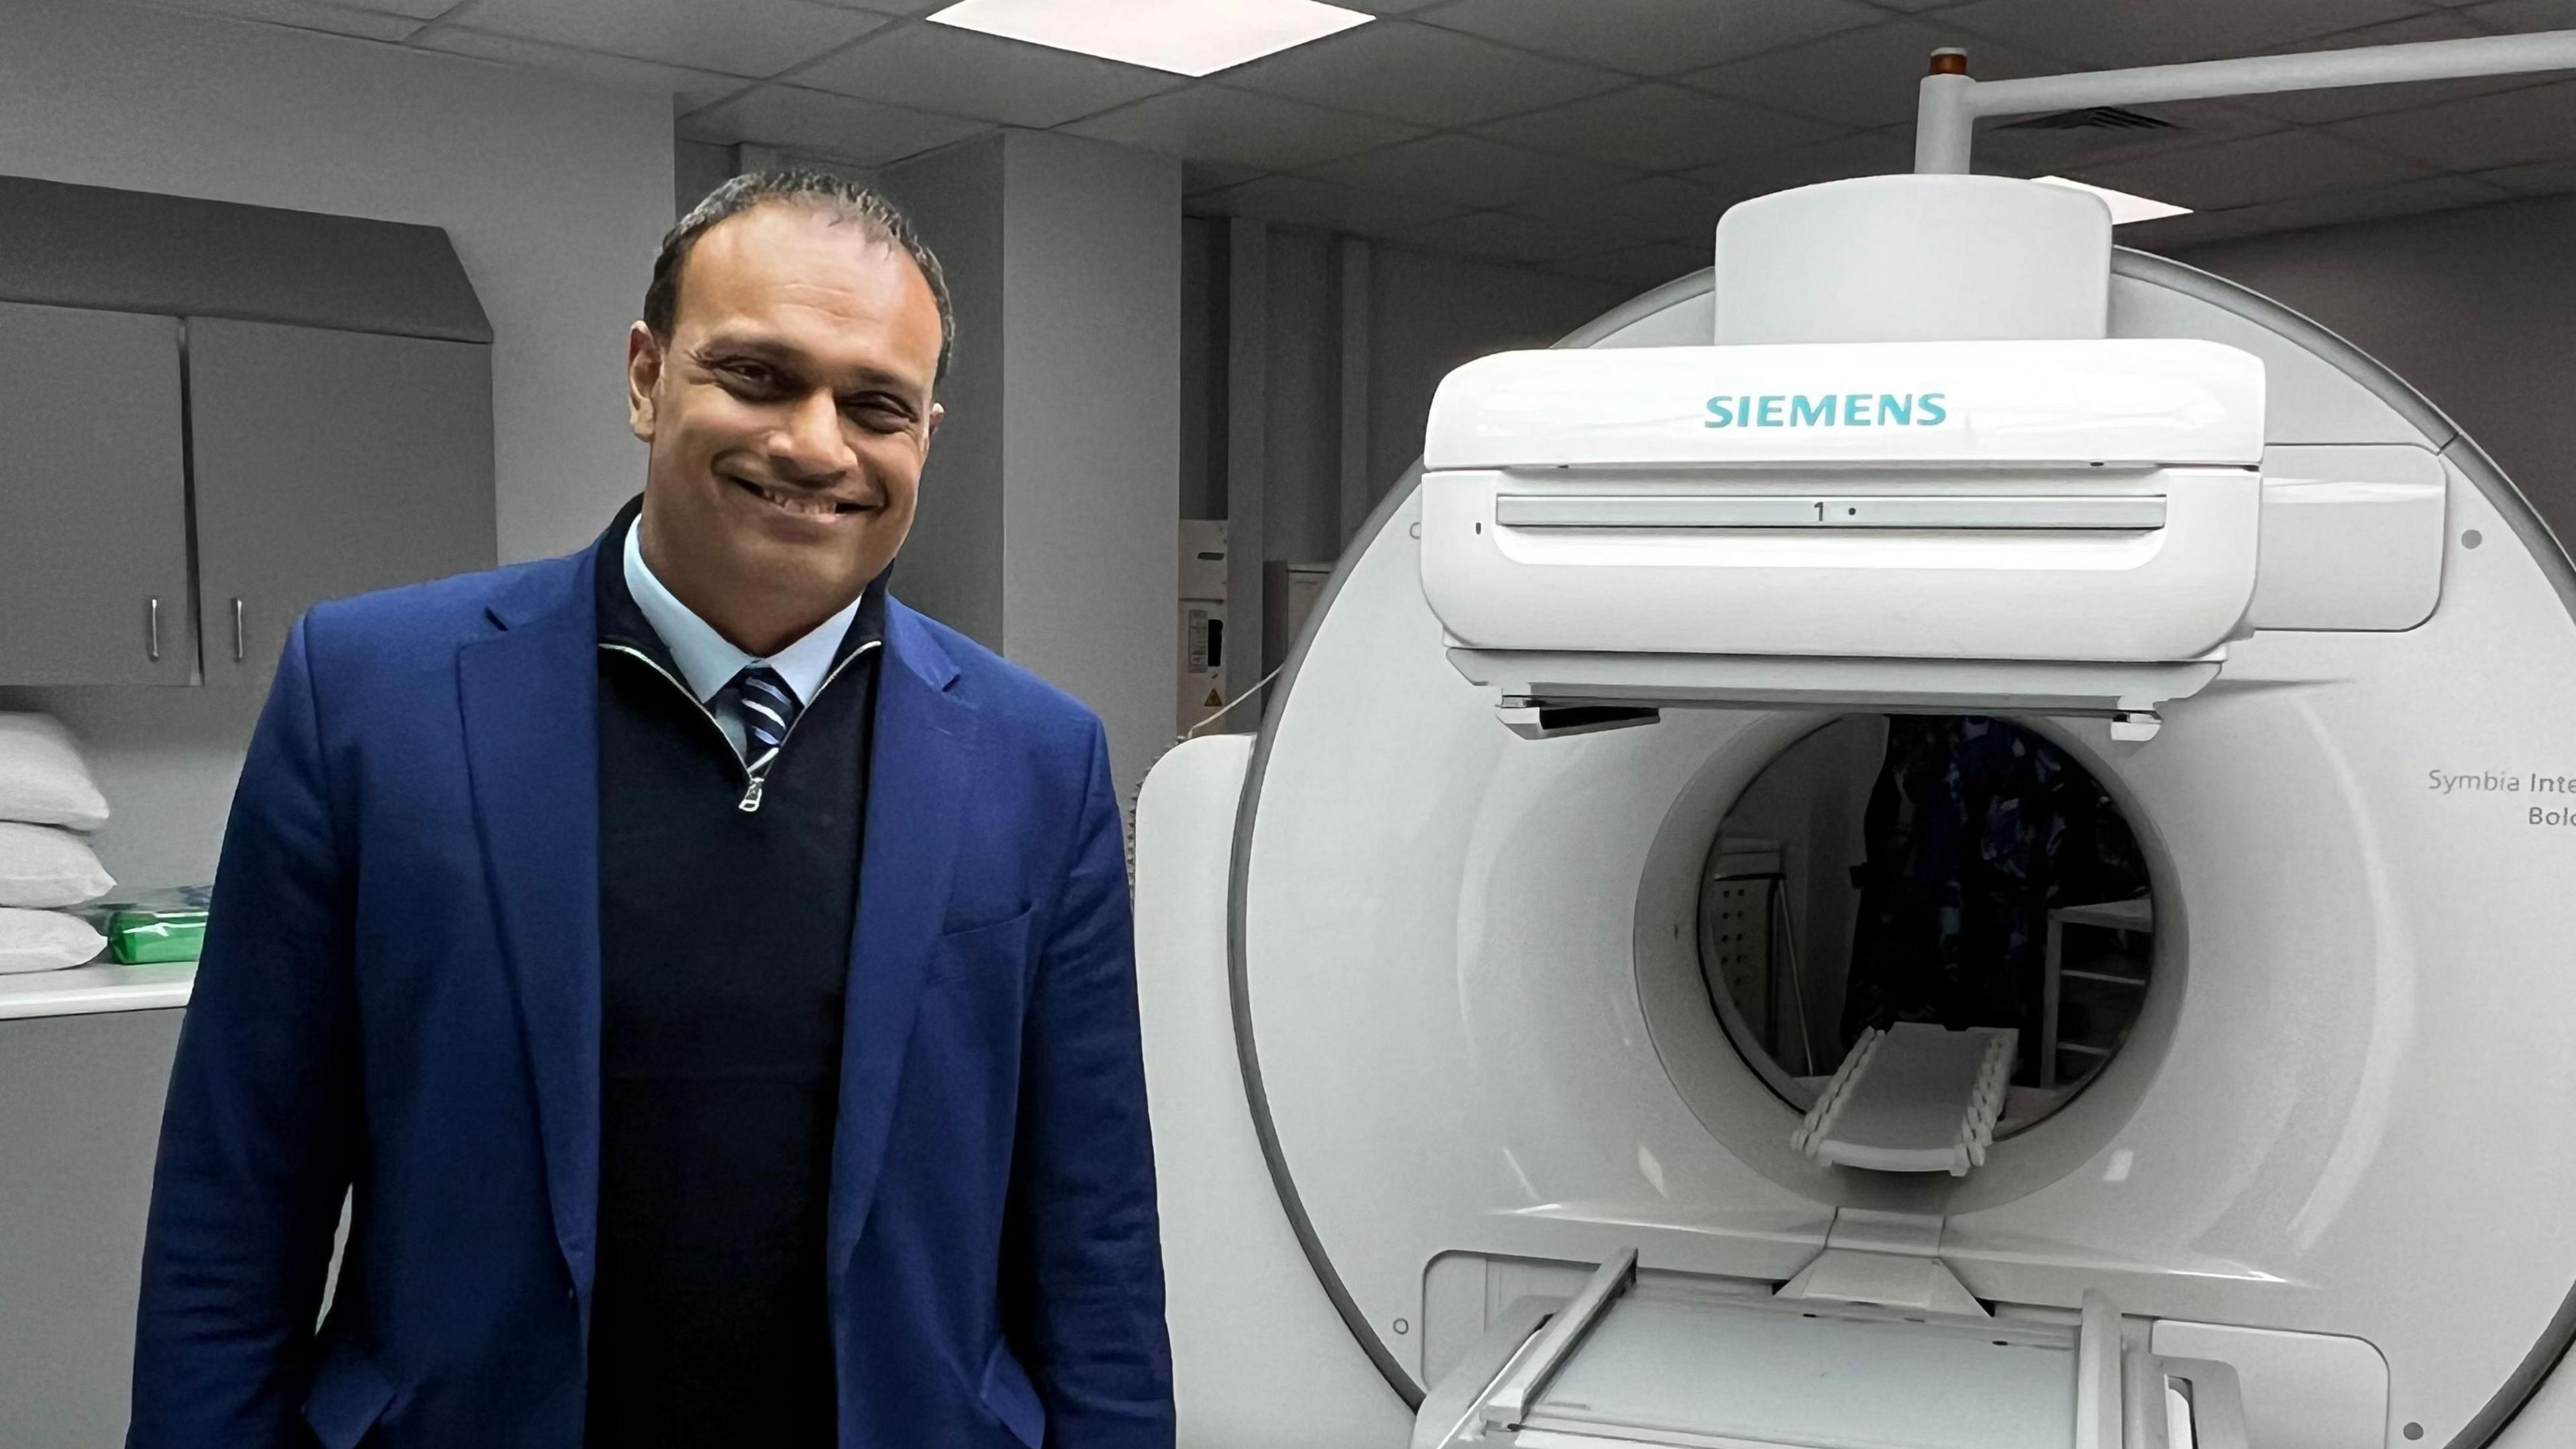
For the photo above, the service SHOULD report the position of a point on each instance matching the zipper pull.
(751, 796)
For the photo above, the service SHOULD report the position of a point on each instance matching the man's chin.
(807, 569)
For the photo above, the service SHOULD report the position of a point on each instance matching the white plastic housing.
(1914, 258)
(2092, 501)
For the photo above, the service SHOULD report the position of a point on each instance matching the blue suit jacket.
(400, 998)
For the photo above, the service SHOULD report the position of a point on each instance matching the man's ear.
(643, 378)
(930, 428)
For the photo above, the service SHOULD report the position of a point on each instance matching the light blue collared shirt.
(709, 662)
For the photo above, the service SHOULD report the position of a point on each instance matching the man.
(709, 981)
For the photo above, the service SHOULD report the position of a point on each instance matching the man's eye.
(752, 376)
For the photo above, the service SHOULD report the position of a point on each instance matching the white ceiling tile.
(1299, 201)
(2516, 16)
(2407, 30)
(2317, 108)
(366, 23)
(1499, 235)
(417, 11)
(2170, 234)
(1657, 127)
(857, 131)
(1652, 37)
(1862, 77)
(2127, 34)
(1205, 122)
(1759, 173)
(2540, 178)
(964, 73)
(2027, 150)
(1471, 171)
(1659, 208)
(2256, 169)
(688, 89)
(1201, 177)
(1639, 267)
(1415, 73)
(2481, 133)
(739, 37)
(2435, 193)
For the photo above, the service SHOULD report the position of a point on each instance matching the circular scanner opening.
(1956, 870)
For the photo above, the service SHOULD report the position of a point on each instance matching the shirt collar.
(706, 659)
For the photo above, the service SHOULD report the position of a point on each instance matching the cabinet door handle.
(239, 651)
(156, 629)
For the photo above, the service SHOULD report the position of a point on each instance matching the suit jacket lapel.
(531, 703)
(917, 780)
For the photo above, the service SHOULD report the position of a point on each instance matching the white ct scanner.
(1455, 1147)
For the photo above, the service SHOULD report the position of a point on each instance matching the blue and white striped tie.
(768, 708)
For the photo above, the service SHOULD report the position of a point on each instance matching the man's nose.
(809, 443)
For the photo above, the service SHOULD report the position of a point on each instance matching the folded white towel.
(42, 778)
(43, 867)
(45, 941)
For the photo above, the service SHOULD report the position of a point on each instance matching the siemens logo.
(1830, 410)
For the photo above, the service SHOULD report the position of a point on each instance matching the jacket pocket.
(1011, 1398)
(999, 946)
(348, 1396)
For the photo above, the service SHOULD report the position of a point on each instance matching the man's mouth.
(804, 505)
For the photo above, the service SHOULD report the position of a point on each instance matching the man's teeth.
(810, 507)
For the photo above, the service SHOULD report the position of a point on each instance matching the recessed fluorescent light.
(1190, 37)
(2124, 207)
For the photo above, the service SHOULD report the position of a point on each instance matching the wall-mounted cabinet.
(93, 499)
(222, 417)
(328, 464)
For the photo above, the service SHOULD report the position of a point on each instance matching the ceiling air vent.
(2094, 118)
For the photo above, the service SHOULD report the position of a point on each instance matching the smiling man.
(708, 982)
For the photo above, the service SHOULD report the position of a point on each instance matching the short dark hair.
(836, 197)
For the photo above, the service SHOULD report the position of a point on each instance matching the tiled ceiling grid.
(1595, 137)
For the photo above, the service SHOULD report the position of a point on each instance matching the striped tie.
(768, 708)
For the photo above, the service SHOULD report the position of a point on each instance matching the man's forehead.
(801, 267)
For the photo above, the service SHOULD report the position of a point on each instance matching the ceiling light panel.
(2125, 208)
(1187, 37)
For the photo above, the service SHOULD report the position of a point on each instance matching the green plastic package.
(164, 926)
(140, 936)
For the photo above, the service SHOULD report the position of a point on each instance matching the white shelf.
(83, 990)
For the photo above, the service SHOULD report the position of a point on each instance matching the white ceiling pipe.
(1952, 102)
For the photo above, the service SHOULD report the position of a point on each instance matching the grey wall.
(1302, 484)
(1429, 314)
(1050, 509)
(1091, 535)
(2476, 308)
(1425, 314)
(1203, 398)
(1308, 364)
(697, 167)
(951, 566)
(554, 191)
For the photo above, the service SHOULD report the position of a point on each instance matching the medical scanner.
(1460, 1145)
